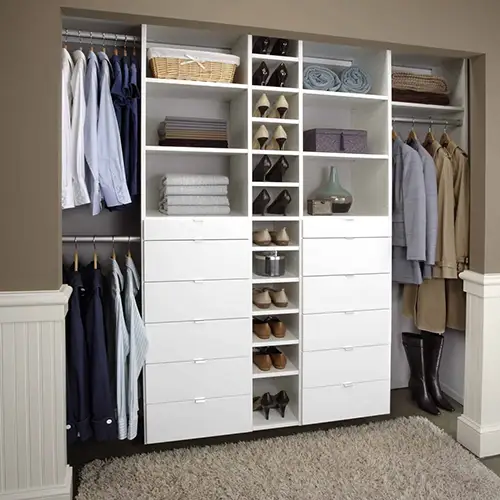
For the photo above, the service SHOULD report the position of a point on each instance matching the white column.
(479, 427)
(33, 461)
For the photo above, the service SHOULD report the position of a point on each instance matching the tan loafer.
(262, 237)
(278, 297)
(262, 360)
(278, 359)
(278, 328)
(261, 298)
(280, 237)
(261, 328)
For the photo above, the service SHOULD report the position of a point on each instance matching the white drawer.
(192, 420)
(341, 226)
(330, 256)
(197, 228)
(170, 342)
(356, 292)
(344, 329)
(190, 300)
(196, 260)
(203, 378)
(341, 366)
(328, 404)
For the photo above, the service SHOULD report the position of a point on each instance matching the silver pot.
(269, 264)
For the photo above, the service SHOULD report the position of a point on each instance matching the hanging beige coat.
(455, 296)
(427, 303)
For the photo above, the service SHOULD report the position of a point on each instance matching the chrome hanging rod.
(427, 121)
(98, 37)
(101, 239)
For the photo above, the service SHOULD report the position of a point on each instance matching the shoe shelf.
(271, 57)
(286, 278)
(275, 218)
(293, 247)
(276, 184)
(274, 152)
(277, 121)
(345, 156)
(272, 310)
(274, 90)
(289, 371)
(275, 420)
(289, 339)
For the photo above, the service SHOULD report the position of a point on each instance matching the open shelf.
(270, 57)
(275, 90)
(274, 152)
(277, 121)
(275, 421)
(275, 218)
(324, 96)
(346, 156)
(275, 184)
(286, 278)
(288, 371)
(155, 214)
(417, 110)
(269, 248)
(289, 339)
(188, 89)
(275, 311)
(200, 151)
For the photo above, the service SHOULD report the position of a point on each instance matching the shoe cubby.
(271, 115)
(273, 386)
(274, 66)
(291, 227)
(262, 48)
(291, 354)
(275, 130)
(291, 177)
(366, 179)
(292, 291)
(265, 260)
(289, 322)
(279, 194)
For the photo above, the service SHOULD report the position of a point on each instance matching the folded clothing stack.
(193, 132)
(352, 79)
(421, 89)
(191, 194)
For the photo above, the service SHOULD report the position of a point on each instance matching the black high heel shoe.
(261, 74)
(261, 45)
(262, 169)
(281, 401)
(277, 171)
(267, 402)
(279, 205)
(278, 78)
(260, 203)
(280, 47)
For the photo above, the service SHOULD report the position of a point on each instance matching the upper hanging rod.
(100, 239)
(427, 121)
(100, 36)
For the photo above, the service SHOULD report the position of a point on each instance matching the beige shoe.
(262, 106)
(278, 298)
(262, 237)
(280, 237)
(280, 108)
(261, 298)
(260, 138)
(278, 140)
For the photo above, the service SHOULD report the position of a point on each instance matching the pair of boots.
(424, 351)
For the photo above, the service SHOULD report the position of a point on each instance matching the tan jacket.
(461, 185)
(446, 257)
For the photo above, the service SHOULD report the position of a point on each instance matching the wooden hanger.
(95, 254)
(412, 134)
(125, 47)
(429, 138)
(113, 254)
(129, 254)
(75, 257)
(445, 138)
(103, 43)
(91, 43)
(115, 51)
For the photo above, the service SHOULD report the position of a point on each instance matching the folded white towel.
(194, 180)
(199, 210)
(194, 200)
(193, 190)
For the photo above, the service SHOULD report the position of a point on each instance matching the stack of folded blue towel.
(351, 79)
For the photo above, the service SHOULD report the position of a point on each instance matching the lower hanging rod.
(427, 121)
(101, 239)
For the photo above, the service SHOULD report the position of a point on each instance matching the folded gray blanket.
(355, 80)
(321, 78)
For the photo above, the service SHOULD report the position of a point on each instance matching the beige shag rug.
(402, 459)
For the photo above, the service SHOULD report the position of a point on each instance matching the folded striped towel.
(193, 190)
(198, 210)
(194, 201)
(194, 180)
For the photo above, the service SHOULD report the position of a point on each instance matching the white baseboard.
(459, 398)
(483, 441)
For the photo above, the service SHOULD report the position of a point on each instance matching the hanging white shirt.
(109, 147)
(90, 131)
(67, 198)
(81, 195)
(138, 342)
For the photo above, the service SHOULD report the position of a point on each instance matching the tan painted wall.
(30, 215)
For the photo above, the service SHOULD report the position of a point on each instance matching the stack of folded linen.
(189, 194)
(193, 132)
(420, 89)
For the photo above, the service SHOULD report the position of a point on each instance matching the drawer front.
(339, 226)
(171, 342)
(197, 228)
(189, 300)
(345, 366)
(331, 256)
(203, 378)
(196, 260)
(358, 292)
(346, 329)
(192, 420)
(328, 404)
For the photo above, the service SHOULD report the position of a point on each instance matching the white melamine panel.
(346, 329)
(330, 256)
(197, 228)
(340, 226)
(197, 419)
(328, 404)
(356, 292)
(197, 300)
(170, 342)
(196, 260)
(201, 378)
(343, 366)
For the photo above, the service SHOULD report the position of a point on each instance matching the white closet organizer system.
(197, 270)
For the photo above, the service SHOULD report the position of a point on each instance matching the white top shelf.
(198, 151)
(345, 156)
(324, 95)
(424, 110)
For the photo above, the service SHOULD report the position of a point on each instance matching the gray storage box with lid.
(335, 140)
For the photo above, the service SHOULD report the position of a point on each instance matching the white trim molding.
(33, 462)
(478, 429)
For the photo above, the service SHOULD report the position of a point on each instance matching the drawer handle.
(200, 401)
(349, 275)
(198, 282)
(348, 348)
(199, 361)
(349, 312)
(348, 384)
(349, 220)
(198, 321)
(348, 237)
(198, 221)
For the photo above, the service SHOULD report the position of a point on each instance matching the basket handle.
(193, 60)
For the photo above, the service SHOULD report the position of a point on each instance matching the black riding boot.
(433, 350)
(414, 347)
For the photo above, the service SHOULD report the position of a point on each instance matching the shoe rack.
(197, 292)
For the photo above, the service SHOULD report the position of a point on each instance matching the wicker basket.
(419, 83)
(180, 64)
